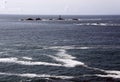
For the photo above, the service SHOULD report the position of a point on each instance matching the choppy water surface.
(87, 50)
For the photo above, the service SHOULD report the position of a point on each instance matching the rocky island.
(49, 19)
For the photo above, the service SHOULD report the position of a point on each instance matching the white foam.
(70, 47)
(98, 24)
(83, 48)
(62, 47)
(15, 60)
(32, 75)
(90, 19)
(27, 58)
(43, 76)
(67, 62)
(62, 54)
(105, 24)
(66, 59)
(110, 73)
(107, 75)
(36, 63)
(113, 72)
(8, 60)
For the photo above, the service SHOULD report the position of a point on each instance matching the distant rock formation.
(29, 19)
(38, 19)
(51, 19)
(60, 18)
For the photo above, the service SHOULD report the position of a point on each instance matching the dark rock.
(29, 19)
(60, 18)
(38, 19)
(50, 19)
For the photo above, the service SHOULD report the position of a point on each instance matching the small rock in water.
(29, 19)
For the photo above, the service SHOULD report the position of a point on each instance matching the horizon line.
(68, 14)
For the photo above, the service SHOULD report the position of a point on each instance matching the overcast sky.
(70, 7)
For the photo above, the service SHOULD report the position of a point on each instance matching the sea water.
(83, 50)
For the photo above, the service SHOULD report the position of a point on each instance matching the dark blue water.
(87, 50)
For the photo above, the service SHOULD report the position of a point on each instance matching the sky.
(63, 7)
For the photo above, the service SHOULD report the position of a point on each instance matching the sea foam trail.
(58, 48)
(66, 59)
(32, 75)
(17, 61)
(27, 58)
(112, 74)
(97, 24)
(109, 73)
(69, 47)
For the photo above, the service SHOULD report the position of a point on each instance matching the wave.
(112, 74)
(66, 59)
(27, 58)
(17, 61)
(8, 60)
(97, 24)
(83, 47)
(109, 73)
(69, 61)
(68, 47)
(31, 75)
(91, 19)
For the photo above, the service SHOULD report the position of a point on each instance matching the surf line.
(66, 60)
(32, 75)
(69, 61)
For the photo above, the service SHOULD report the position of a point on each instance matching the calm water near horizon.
(87, 50)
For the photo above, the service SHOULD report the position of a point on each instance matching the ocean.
(84, 50)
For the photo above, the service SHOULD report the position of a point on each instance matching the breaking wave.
(31, 75)
(97, 24)
(17, 61)
(68, 47)
(112, 74)
(62, 57)
(69, 61)
(27, 58)
(66, 59)
(109, 73)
